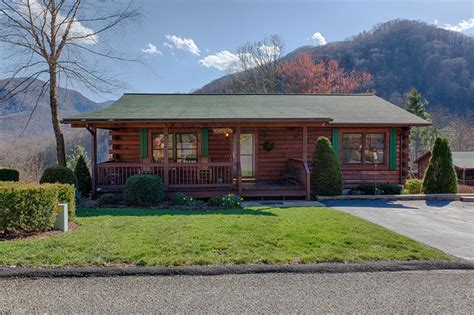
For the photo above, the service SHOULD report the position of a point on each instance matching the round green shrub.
(143, 190)
(413, 186)
(58, 174)
(229, 201)
(326, 177)
(83, 175)
(440, 176)
(9, 175)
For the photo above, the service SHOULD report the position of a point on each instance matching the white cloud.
(82, 34)
(223, 60)
(151, 49)
(319, 39)
(462, 26)
(270, 51)
(435, 22)
(186, 44)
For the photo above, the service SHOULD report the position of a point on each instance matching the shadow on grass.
(133, 212)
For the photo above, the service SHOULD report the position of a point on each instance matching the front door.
(247, 154)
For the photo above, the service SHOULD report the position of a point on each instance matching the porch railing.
(179, 175)
(304, 176)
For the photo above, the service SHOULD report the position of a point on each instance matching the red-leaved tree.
(302, 75)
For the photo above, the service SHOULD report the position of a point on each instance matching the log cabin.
(257, 145)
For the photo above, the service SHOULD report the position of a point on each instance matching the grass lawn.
(170, 237)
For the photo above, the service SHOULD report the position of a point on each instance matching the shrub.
(215, 201)
(27, 207)
(67, 194)
(413, 186)
(181, 199)
(106, 200)
(229, 201)
(83, 176)
(440, 176)
(143, 190)
(58, 174)
(9, 175)
(379, 189)
(326, 177)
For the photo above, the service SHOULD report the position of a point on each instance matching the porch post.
(464, 176)
(305, 162)
(165, 160)
(93, 132)
(237, 159)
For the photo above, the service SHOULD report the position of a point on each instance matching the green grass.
(170, 237)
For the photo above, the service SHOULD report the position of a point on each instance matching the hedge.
(9, 175)
(58, 174)
(143, 190)
(30, 207)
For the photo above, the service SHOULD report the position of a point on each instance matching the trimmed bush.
(9, 175)
(181, 199)
(440, 176)
(67, 194)
(413, 186)
(143, 190)
(58, 174)
(27, 207)
(83, 176)
(229, 201)
(106, 200)
(326, 177)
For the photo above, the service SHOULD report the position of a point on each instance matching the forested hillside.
(399, 55)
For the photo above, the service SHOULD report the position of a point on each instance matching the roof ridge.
(257, 94)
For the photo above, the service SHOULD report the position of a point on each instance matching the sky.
(186, 44)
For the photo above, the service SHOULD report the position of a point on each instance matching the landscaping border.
(447, 197)
(214, 270)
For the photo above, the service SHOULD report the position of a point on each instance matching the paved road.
(378, 292)
(448, 226)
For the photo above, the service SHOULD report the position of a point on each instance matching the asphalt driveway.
(446, 225)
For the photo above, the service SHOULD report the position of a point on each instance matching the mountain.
(15, 111)
(402, 54)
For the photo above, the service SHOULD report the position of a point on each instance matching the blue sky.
(174, 37)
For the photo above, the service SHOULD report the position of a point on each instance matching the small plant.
(143, 190)
(215, 201)
(440, 176)
(83, 175)
(58, 174)
(413, 186)
(379, 189)
(231, 201)
(106, 200)
(9, 175)
(181, 199)
(326, 177)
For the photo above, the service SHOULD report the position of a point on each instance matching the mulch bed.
(19, 235)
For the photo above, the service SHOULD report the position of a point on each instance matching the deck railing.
(304, 176)
(180, 175)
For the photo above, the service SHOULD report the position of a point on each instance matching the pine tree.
(440, 176)
(417, 106)
(326, 177)
(83, 175)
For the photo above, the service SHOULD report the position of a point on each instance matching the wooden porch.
(204, 180)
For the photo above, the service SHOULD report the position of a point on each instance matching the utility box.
(62, 218)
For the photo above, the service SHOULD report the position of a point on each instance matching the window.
(186, 147)
(363, 148)
(158, 150)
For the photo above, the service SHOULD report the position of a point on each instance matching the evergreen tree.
(440, 176)
(417, 106)
(73, 156)
(83, 175)
(326, 177)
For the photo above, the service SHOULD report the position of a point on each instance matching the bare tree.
(256, 69)
(58, 41)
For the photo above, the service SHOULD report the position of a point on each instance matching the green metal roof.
(463, 159)
(350, 109)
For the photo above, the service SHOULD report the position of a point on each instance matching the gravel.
(439, 291)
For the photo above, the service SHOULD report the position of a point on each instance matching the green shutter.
(335, 141)
(204, 142)
(144, 143)
(393, 149)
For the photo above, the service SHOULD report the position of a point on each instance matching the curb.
(214, 270)
(443, 197)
